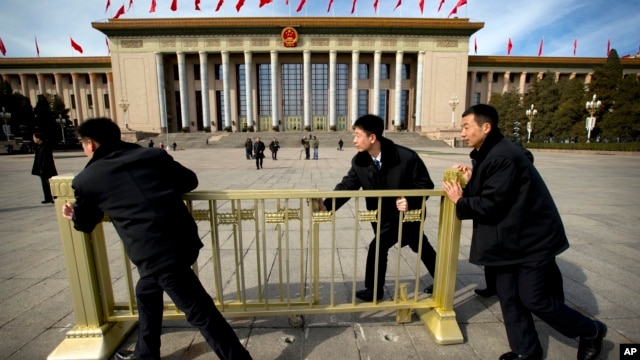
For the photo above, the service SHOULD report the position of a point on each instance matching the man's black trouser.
(388, 238)
(186, 291)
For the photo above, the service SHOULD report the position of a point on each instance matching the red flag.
(331, 3)
(421, 5)
(119, 13)
(608, 46)
(219, 5)
(540, 48)
(353, 6)
(575, 46)
(265, 2)
(197, 5)
(106, 8)
(174, 5)
(397, 5)
(37, 47)
(509, 47)
(455, 8)
(375, 6)
(77, 46)
(3, 49)
(475, 45)
(286, 2)
(239, 5)
(130, 5)
(453, 11)
(152, 9)
(106, 41)
(300, 5)
(440, 6)
(625, 56)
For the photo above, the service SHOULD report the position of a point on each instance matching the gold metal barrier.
(267, 253)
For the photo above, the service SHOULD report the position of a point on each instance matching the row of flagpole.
(240, 3)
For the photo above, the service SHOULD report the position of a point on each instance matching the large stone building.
(284, 73)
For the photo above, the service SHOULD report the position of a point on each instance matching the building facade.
(284, 74)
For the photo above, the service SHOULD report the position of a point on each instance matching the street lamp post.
(124, 105)
(62, 123)
(453, 102)
(531, 113)
(6, 116)
(592, 106)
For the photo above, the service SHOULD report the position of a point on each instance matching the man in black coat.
(43, 165)
(382, 165)
(258, 152)
(517, 232)
(141, 191)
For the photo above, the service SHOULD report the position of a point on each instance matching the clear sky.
(592, 22)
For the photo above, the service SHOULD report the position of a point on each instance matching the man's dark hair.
(483, 113)
(101, 130)
(370, 124)
(40, 136)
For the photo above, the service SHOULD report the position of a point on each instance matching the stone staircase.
(201, 140)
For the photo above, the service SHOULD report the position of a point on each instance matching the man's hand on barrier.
(402, 204)
(67, 210)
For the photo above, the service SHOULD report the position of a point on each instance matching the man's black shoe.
(126, 355)
(429, 289)
(513, 356)
(486, 292)
(367, 295)
(591, 347)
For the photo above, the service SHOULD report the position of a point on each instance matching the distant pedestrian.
(174, 145)
(248, 149)
(43, 165)
(306, 146)
(274, 146)
(316, 145)
(161, 145)
(258, 152)
(151, 143)
(340, 144)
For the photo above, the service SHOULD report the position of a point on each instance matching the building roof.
(274, 26)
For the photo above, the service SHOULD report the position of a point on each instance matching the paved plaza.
(598, 195)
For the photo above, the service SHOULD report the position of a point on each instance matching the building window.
(406, 71)
(476, 98)
(217, 69)
(363, 71)
(495, 78)
(264, 89)
(53, 79)
(382, 109)
(105, 100)
(478, 77)
(363, 102)
(292, 93)
(511, 78)
(104, 79)
(89, 101)
(527, 78)
(70, 79)
(196, 71)
(220, 108)
(242, 90)
(319, 89)
(384, 71)
(87, 79)
(176, 75)
(72, 100)
(342, 89)
(404, 108)
(37, 80)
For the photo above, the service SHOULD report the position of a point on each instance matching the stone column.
(248, 70)
(398, 89)
(59, 91)
(94, 95)
(76, 94)
(204, 88)
(523, 82)
(377, 56)
(419, 91)
(489, 85)
(274, 89)
(112, 101)
(41, 89)
(507, 78)
(332, 88)
(226, 88)
(355, 64)
(184, 96)
(306, 55)
(162, 94)
(24, 78)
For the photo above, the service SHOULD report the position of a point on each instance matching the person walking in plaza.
(381, 164)
(150, 143)
(274, 146)
(258, 152)
(306, 146)
(340, 144)
(316, 145)
(43, 165)
(517, 232)
(248, 149)
(174, 146)
(140, 189)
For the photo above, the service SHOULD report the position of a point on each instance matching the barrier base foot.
(92, 344)
(442, 325)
